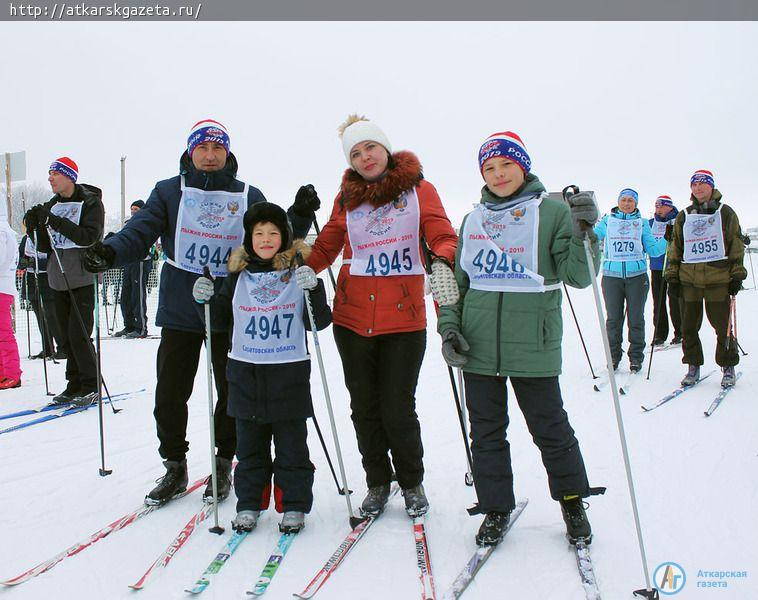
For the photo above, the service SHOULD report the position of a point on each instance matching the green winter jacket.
(520, 334)
(709, 274)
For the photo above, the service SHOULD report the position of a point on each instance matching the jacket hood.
(531, 187)
(404, 173)
(208, 180)
(241, 260)
(618, 214)
(671, 216)
(706, 207)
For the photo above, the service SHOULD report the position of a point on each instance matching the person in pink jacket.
(10, 365)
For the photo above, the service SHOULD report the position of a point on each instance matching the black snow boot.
(83, 400)
(66, 396)
(223, 480)
(692, 376)
(172, 483)
(376, 498)
(416, 503)
(493, 528)
(635, 367)
(577, 525)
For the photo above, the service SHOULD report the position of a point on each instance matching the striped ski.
(423, 560)
(116, 525)
(217, 563)
(586, 571)
(677, 392)
(477, 560)
(719, 397)
(50, 406)
(272, 564)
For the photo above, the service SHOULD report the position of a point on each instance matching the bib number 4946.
(263, 327)
(396, 262)
(496, 261)
(203, 255)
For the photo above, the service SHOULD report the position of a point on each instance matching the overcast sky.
(602, 105)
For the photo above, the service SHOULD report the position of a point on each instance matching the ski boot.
(65, 397)
(692, 376)
(292, 521)
(122, 333)
(634, 366)
(83, 400)
(728, 379)
(577, 526)
(376, 498)
(493, 528)
(246, 520)
(174, 482)
(223, 480)
(416, 503)
(677, 339)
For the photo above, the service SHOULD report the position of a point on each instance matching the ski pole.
(469, 477)
(354, 521)
(340, 491)
(209, 371)
(649, 592)
(28, 326)
(579, 329)
(329, 268)
(45, 329)
(661, 298)
(752, 273)
(103, 471)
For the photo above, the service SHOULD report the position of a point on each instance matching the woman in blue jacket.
(628, 239)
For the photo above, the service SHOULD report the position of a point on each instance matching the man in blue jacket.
(628, 240)
(198, 216)
(665, 214)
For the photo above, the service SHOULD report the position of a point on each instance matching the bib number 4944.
(203, 255)
(385, 264)
(263, 327)
(496, 261)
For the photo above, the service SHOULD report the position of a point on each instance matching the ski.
(586, 571)
(226, 552)
(335, 560)
(477, 560)
(63, 412)
(116, 525)
(677, 392)
(164, 559)
(601, 383)
(50, 406)
(423, 560)
(272, 564)
(626, 387)
(719, 397)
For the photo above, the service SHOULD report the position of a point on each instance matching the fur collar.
(403, 176)
(239, 260)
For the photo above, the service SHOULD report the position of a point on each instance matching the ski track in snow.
(695, 481)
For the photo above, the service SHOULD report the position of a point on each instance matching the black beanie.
(266, 212)
(138, 204)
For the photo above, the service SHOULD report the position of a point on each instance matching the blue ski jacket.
(633, 268)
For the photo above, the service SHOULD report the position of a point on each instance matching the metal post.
(123, 190)
(8, 183)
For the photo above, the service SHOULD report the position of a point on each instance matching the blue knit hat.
(65, 166)
(702, 176)
(207, 130)
(505, 144)
(664, 201)
(629, 193)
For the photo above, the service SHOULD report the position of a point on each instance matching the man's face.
(701, 191)
(134, 209)
(60, 184)
(502, 176)
(209, 156)
(663, 210)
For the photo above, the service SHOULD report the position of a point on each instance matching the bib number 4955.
(387, 264)
(705, 247)
(203, 255)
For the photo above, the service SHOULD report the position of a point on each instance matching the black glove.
(584, 212)
(735, 285)
(453, 347)
(98, 257)
(31, 218)
(745, 239)
(306, 202)
(669, 234)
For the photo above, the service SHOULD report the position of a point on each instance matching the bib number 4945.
(203, 255)
(496, 261)
(387, 264)
(263, 327)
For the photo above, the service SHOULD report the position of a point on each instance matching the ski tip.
(355, 521)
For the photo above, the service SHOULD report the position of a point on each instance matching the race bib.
(703, 238)
(659, 228)
(623, 240)
(385, 240)
(208, 227)
(66, 210)
(500, 249)
(268, 319)
(30, 251)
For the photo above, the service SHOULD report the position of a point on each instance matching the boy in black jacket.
(269, 366)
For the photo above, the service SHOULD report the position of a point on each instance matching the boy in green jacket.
(514, 250)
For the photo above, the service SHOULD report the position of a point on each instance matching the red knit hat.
(66, 166)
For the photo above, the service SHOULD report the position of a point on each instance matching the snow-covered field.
(695, 478)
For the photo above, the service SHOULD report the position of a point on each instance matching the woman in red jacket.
(383, 210)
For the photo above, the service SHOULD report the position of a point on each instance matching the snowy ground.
(696, 483)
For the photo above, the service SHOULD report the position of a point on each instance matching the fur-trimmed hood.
(239, 260)
(403, 175)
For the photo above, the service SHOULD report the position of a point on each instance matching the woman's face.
(627, 205)
(502, 176)
(369, 159)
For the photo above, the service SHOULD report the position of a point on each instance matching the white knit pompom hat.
(359, 129)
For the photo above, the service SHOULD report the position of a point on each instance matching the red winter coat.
(379, 305)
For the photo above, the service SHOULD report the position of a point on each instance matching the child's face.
(502, 176)
(267, 240)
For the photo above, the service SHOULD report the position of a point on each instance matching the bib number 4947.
(496, 261)
(385, 264)
(263, 327)
(202, 254)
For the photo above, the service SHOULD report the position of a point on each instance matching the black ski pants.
(44, 310)
(660, 314)
(716, 300)
(178, 357)
(381, 373)
(631, 292)
(291, 468)
(134, 295)
(81, 370)
(540, 401)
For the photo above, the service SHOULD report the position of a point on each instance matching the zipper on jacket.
(497, 334)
